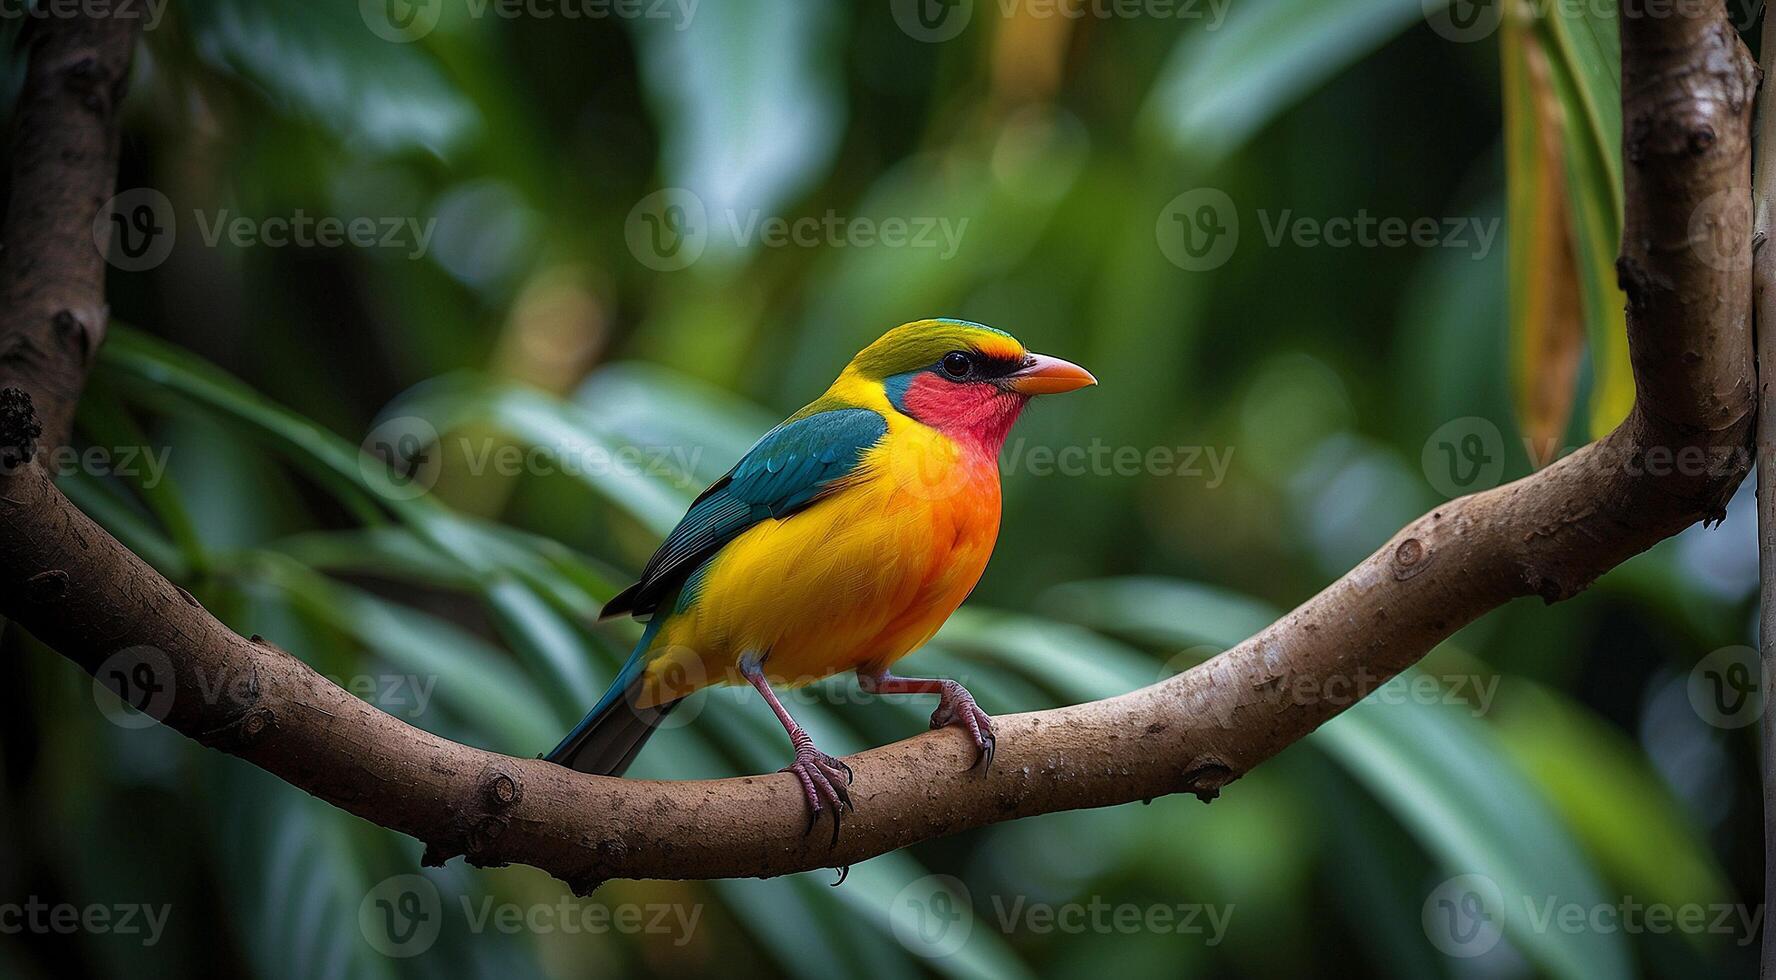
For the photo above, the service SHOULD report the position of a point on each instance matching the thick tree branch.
(1687, 93)
(64, 168)
(1764, 321)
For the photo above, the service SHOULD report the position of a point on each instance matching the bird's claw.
(956, 707)
(823, 785)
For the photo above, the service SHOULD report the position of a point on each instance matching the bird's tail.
(607, 740)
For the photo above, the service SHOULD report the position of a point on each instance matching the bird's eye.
(956, 364)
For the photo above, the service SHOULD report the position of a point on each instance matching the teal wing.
(788, 469)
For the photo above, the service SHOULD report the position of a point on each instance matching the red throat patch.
(976, 414)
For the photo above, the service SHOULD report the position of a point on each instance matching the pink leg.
(820, 774)
(955, 706)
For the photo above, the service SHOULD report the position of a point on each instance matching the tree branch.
(1764, 322)
(1687, 92)
(64, 169)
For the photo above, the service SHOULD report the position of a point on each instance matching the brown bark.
(64, 169)
(1764, 322)
(1688, 88)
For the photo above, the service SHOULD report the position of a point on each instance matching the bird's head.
(967, 380)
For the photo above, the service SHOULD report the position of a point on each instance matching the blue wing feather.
(786, 470)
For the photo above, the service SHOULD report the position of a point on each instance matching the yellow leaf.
(1546, 304)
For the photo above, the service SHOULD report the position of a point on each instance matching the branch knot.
(19, 429)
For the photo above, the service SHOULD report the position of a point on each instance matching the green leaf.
(1604, 789)
(1481, 815)
(126, 523)
(326, 66)
(164, 375)
(1547, 329)
(1584, 52)
(102, 416)
(572, 436)
(746, 97)
(474, 681)
(1222, 86)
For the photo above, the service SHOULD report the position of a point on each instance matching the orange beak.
(1044, 375)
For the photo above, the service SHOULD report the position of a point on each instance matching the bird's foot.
(955, 706)
(824, 781)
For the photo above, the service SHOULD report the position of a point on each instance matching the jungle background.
(571, 258)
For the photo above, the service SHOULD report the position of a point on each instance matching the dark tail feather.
(606, 741)
(621, 604)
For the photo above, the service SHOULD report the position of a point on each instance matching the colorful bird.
(841, 541)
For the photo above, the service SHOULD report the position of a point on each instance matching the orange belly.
(857, 580)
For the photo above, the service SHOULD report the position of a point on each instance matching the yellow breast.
(858, 579)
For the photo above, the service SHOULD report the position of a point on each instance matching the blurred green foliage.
(1558, 752)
